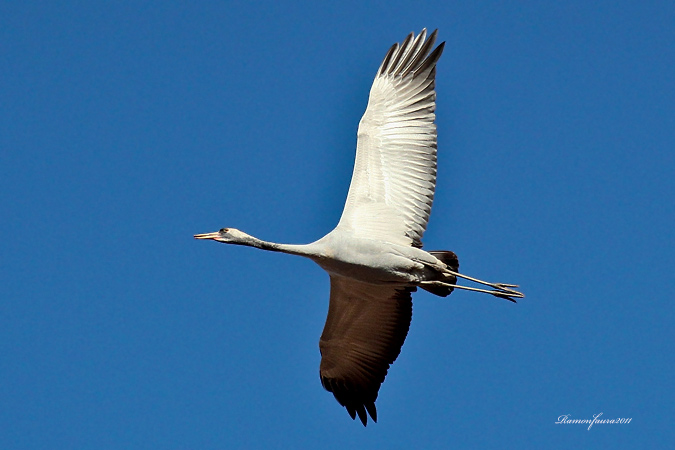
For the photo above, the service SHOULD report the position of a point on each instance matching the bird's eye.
(223, 230)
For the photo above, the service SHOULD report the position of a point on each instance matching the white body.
(372, 261)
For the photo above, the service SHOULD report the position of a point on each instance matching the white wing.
(394, 177)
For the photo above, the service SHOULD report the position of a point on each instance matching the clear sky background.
(126, 128)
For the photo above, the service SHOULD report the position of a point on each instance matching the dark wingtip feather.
(351, 411)
(372, 411)
(432, 59)
(432, 37)
(421, 61)
(362, 415)
(387, 59)
(400, 52)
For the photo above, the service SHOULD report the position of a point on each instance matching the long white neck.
(307, 250)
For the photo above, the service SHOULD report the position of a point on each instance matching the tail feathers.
(449, 259)
(441, 291)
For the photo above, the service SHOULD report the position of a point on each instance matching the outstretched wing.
(394, 177)
(364, 332)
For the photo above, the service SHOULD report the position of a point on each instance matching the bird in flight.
(374, 256)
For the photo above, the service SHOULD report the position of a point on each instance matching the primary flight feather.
(374, 256)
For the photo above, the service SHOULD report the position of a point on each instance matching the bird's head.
(226, 235)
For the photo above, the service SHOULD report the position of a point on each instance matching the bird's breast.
(375, 264)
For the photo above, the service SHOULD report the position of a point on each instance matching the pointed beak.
(207, 235)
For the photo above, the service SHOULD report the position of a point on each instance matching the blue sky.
(128, 128)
